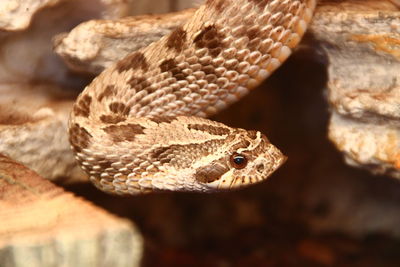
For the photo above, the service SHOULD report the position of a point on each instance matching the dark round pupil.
(239, 160)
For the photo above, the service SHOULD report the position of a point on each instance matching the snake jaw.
(257, 171)
(258, 160)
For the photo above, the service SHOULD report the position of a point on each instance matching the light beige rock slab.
(33, 129)
(140, 7)
(96, 44)
(26, 31)
(42, 225)
(16, 15)
(35, 95)
(362, 44)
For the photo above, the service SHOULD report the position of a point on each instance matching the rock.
(26, 48)
(94, 45)
(140, 7)
(35, 85)
(362, 45)
(17, 15)
(42, 224)
(33, 129)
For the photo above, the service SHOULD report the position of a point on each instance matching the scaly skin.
(139, 126)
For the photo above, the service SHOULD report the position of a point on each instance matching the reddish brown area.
(82, 107)
(214, 130)
(123, 133)
(108, 91)
(177, 39)
(112, 119)
(79, 137)
(211, 38)
(134, 61)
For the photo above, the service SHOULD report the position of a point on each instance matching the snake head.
(248, 158)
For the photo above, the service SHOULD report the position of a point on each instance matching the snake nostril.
(260, 167)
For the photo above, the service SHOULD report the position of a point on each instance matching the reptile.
(141, 126)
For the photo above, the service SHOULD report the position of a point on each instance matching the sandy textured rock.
(26, 52)
(94, 45)
(34, 96)
(33, 129)
(17, 15)
(43, 225)
(140, 7)
(362, 46)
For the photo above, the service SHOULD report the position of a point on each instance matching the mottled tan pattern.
(138, 128)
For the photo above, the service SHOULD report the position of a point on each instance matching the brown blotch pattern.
(112, 119)
(119, 108)
(79, 137)
(127, 132)
(212, 171)
(170, 65)
(82, 107)
(177, 39)
(138, 83)
(214, 130)
(210, 38)
(165, 119)
(106, 93)
(183, 156)
(136, 60)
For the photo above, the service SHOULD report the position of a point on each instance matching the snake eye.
(238, 161)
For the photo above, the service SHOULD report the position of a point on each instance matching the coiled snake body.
(140, 127)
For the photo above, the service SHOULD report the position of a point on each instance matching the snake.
(141, 125)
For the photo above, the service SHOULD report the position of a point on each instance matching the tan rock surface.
(94, 45)
(33, 123)
(27, 29)
(42, 225)
(363, 50)
(17, 15)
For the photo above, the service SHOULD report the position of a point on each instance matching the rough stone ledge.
(17, 15)
(42, 223)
